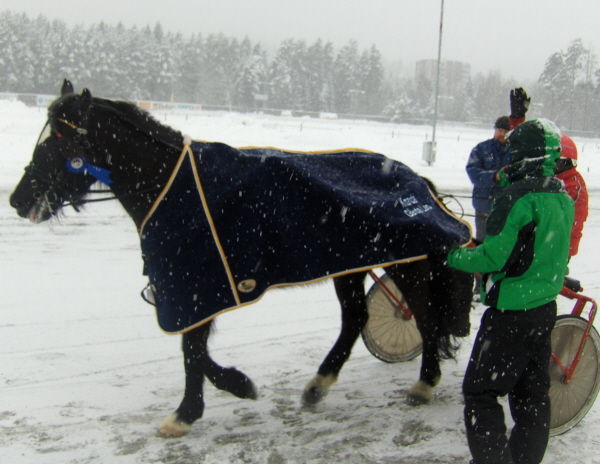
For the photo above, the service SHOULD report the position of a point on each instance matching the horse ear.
(86, 99)
(67, 88)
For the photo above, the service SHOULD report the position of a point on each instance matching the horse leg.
(351, 294)
(449, 293)
(431, 374)
(198, 363)
(413, 281)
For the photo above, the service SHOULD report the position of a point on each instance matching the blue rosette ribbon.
(79, 164)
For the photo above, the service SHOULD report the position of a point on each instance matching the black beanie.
(502, 123)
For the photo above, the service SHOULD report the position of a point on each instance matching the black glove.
(519, 103)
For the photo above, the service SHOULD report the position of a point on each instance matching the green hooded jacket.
(525, 254)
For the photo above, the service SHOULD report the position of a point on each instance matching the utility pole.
(437, 84)
(433, 148)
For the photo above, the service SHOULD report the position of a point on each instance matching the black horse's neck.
(139, 152)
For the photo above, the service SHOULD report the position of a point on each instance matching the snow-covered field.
(87, 376)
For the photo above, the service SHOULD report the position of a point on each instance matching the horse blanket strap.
(233, 223)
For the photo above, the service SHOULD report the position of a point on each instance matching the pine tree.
(187, 88)
(252, 80)
(347, 87)
(371, 78)
(16, 57)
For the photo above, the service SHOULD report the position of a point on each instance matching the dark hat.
(502, 123)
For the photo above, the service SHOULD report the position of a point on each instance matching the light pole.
(437, 86)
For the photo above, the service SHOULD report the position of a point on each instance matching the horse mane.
(128, 112)
(141, 120)
(431, 185)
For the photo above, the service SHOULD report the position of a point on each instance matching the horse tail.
(447, 346)
(451, 294)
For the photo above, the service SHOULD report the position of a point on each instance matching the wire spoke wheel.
(388, 334)
(571, 401)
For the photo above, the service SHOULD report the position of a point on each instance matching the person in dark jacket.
(489, 157)
(523, 260)
(485, 160)
(483, 166)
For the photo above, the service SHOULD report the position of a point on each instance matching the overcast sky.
(513, 36)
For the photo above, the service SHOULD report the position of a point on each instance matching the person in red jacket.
(566, 170)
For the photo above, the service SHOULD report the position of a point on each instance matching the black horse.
(86, 137)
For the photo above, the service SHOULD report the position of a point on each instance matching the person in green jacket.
(523, 261)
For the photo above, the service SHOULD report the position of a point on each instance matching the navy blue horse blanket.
(233, 223)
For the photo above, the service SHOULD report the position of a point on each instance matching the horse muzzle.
(39, 209)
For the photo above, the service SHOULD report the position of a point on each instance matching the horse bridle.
(56, 183)
(76, 161)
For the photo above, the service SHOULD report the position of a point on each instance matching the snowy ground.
(87, 376)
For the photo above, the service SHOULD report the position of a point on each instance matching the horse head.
(91, 139)
(53, 177)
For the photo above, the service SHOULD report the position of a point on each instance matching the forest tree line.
(152, 64)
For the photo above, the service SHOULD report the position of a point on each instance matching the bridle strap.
(80, 137)
(113, 197)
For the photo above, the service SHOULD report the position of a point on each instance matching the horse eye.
(77, 163)
(34, 183)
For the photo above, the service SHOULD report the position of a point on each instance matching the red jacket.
(577, 190)
(514, 122)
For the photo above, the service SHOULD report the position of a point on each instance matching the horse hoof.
(173, 427)
(312, 396)
(416, 400)
(317, 389)
(252, 392)
(420, 393)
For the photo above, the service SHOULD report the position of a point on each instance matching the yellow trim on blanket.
(450, 213)
(317, 152)
(187, 151)
(296, 284)
(212, 227)
(166, 189)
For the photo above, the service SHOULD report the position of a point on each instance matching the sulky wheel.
(571, 401)
(388, 334)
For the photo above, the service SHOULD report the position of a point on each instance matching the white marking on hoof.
(317, 388)
(421, 393)
(173, 428)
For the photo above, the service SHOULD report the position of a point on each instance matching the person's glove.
(519, 103)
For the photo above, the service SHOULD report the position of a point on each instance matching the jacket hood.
(534, 149)
(568, 149)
